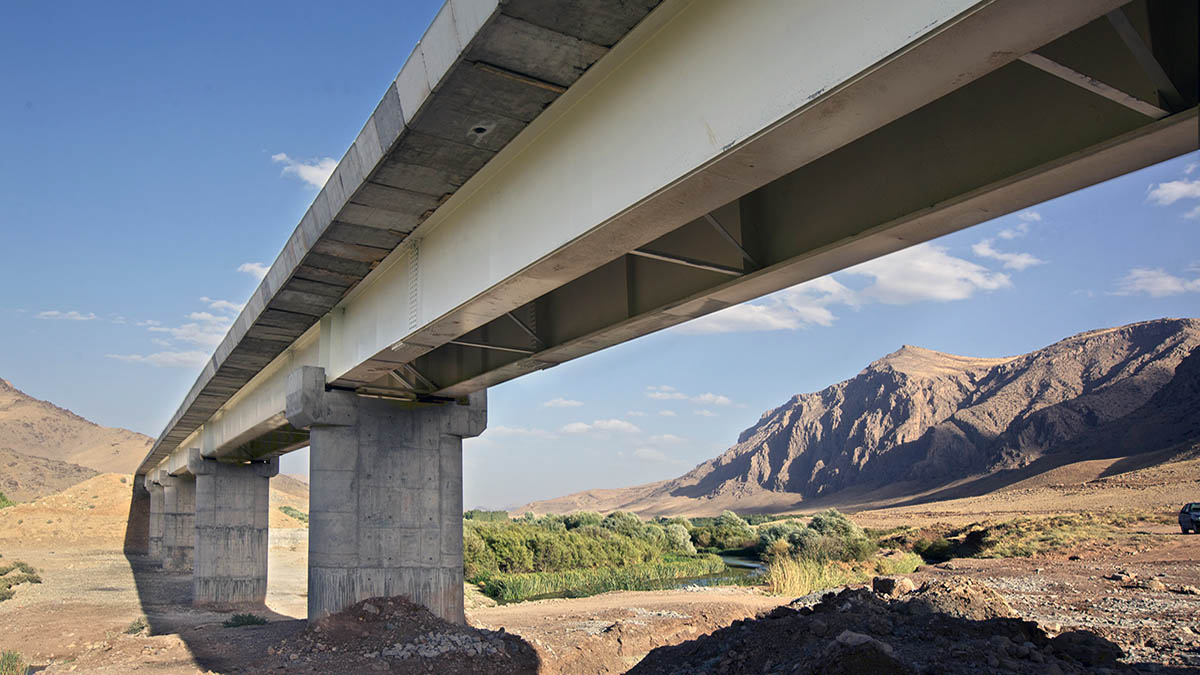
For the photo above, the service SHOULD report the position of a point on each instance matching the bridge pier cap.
(385, 508)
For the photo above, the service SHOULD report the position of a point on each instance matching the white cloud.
(519, 432)
(650, 455)
(1012, 261)
(666, 438)
(561, 402)
(925, 272)
(255, 269)
(314, 172)
(1156, 283)
(635, 413)
(798, 307)
(666, 413)
(167, 359)
(1165, 194)
(704, 413)
(1193, 214)
(601, 425)
(1030, 216)
(712, 399)
(221, 305)
(664, 392)
(204, 329)
(71, 315)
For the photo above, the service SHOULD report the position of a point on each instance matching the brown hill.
(918, 420)
(24, 477)
(41, 429)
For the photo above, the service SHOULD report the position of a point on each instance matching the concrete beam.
(385, 508)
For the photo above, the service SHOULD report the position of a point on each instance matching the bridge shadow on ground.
(359, 639)
(165, 598)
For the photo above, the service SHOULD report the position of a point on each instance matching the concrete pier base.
(232, 502)
(385, 507)
(154, 547)
(178, 522)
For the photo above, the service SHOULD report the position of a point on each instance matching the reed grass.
(580, 583)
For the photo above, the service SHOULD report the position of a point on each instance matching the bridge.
(543, 180)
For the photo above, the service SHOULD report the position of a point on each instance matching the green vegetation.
(1020, 537)
(583, 582)
(576, 555)
(5, 501)
(239, 620)
(488, 516)
(296, 513)
(726, 532)
(11, 663)
(828, 536)
(137, 626)
(904, 563)
(13, 574)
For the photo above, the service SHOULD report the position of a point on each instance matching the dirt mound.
(25, 477)
(964, 598)
(856, 630)
(394, 635)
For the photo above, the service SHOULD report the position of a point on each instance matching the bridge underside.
(1034, 129)
(1005, 106)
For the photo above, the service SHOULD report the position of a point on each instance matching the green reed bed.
(580, 583)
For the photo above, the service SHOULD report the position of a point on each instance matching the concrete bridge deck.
(543, 180)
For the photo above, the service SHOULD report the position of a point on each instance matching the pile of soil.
(945, 626)
(395, 635)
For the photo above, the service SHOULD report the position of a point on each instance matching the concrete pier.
(154, 547)
(178, 522)
(232, 502)
(385, 505)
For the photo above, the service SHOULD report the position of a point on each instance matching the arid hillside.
(24, 477)
(919, 420)
(41, 429)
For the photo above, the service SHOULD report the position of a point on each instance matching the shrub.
(829, 536)
(137, 626)
(622, 523)
(486, 516)
(582, 519)
(239, 620)
(11, 663)
(5, 501)
(678, 539)
(296, 513)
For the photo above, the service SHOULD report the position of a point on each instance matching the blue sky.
(155, 157)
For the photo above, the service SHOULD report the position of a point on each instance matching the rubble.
(395, 635)
(945, 626)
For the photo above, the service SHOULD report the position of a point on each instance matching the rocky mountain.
(916, 420)
(41, 429)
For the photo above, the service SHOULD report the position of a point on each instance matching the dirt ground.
(1129, 591)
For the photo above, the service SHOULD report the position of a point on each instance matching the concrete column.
(385, 502)
(230, 560)
(156, 515)
(178, 522)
